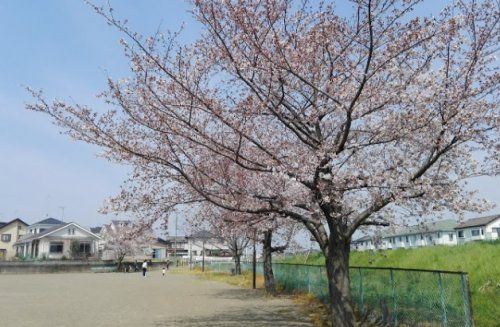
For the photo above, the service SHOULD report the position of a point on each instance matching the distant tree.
(336, 122)
(123, 239)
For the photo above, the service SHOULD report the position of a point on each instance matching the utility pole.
(175, 242)
(254, 263)
(203, 258)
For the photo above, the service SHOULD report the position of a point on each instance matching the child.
(163, 271)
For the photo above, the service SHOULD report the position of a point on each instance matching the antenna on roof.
(62, 212)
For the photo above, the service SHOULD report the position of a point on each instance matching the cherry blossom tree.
(290, 108)
(279, 230)
(123, 238)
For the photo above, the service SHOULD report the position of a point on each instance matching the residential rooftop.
(5, 223)
(445, 225)
(49, 221)
(481, 221)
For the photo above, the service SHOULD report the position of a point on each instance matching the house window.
(450, 236)
(6, 237)
(474, 232)
(482, 231)
(42, 230)
(407, 240)
(400, 239)
(461, 233)
(84, 247)
(56, 247)
(421, 237)
(439, 235)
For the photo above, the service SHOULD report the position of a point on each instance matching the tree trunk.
(337, 268)
(237, 264)
(120, 263)
(269, 282)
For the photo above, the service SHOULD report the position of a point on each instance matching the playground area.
(121, 299)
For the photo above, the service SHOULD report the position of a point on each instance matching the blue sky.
(67, 50)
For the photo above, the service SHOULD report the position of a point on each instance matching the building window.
(482, 231)
(407, 240)
(439, 235)
(461, 233)
(474, 232)
(6, 237)
(56, 247)
(450, 236)
(421, 237)
(84, 247)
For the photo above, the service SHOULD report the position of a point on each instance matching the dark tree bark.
(237, 264)
(269, 282)
(337, 269)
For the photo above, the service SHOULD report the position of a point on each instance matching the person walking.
(144, 268)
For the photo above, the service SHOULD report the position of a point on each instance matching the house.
(53, 239)
(159, 249)
(441, 232)
(177, 246)
(476, 229)
(364, 243)
(43, 225)
(193, 247)
(10, 232)
(207, 244)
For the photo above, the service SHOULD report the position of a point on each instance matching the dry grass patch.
(316, 310)
(244, 280)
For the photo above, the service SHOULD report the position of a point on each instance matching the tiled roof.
(428, 227)
(3, 224)
(171, 239)
(202, 234)
(364, 238)
(49, 221)
(481, 221)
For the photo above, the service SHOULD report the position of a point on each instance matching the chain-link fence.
(396, 297)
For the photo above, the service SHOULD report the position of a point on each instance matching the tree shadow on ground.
(277, 316)
(239, 294)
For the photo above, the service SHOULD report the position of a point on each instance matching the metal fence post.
(467, 301)
(443, 300)
(308, 279)
(394, 303)
(361, 304)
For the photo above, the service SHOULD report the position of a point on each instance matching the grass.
(481, 260)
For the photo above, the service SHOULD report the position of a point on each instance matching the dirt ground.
(120, 299)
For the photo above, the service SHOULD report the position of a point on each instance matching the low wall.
(44, 267)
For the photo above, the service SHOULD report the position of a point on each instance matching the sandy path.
(87, 299)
